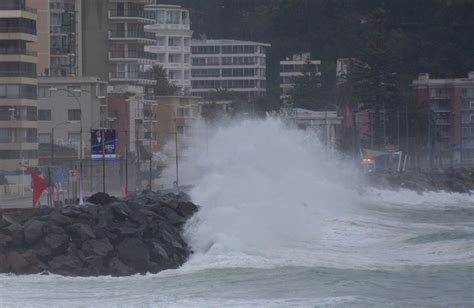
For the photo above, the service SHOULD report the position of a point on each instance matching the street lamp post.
(81, 201)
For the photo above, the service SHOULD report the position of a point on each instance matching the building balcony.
(181, 82)
(61, 51)
(443, 122)
(158, 27)
(18, 73)
(15, 51)
(175, 65)
(18, 29)
(138, 56)
(132, 15)
(143, 78)
(16, 6)
(155, 49)
(132, 35)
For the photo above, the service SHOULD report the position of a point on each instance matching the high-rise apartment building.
(237, 66)
(172, 43)
(298, 65)
(59, 37)
(18, 105)
(113, 50)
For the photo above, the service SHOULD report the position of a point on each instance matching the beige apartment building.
(65, 104)
(59, 30)
(174, 114)
(18, 105)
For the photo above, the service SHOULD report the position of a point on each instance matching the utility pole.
(103, 160)
(177, 164)
(150, 167)
(126, 168)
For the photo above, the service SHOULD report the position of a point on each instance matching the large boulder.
(101, 198)
(69, 265)
(118, 268)
(101, 247)
(57, 242)
(34, 230)
(82, 231)
(134, 253)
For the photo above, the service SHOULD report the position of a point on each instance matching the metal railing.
(132, 13)
(133, 55)
(16, 51)
(132, 75)
(132, 34)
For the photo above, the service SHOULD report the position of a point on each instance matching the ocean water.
(286, 222)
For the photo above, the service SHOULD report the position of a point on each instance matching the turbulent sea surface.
(286, 223)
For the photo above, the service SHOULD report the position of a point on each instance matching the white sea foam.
(275, 196)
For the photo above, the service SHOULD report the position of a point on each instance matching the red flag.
(39, 186)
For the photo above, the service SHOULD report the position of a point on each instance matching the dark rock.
(82, 231)
(187, 209)
(57, 242)
(101, 247)
(69, 265)
(138, 235)
(4, 265)
(118, 268)
(59, 218)
(5, 221)
(134, 253)
(120, 212)
(17, 262)
(158, 253)
(71, 211)
(34, 230)
(172, 217)
(95, 265)
(127, 231)
(51, 228)
(101, 198)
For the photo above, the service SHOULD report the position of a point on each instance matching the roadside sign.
(103, 144)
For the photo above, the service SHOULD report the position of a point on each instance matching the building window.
(74, 114)
(44, 138)
(438, 93)
(121, 70)
(174, 58)
(147, 135)
(183, 112)
(74, 91)
(44, 114)
(183, 130)
(6, 135)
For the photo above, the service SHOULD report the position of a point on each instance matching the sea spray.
(263, 185)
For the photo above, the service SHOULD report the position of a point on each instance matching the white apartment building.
(173, 43)
(237, 66)
(294, 67)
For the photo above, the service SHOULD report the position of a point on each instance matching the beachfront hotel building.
(172, 45)
(294, 67)
(449, 112)
(232, 65)
(18, 82)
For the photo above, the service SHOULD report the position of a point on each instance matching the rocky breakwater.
(141, 234)
(450, 180)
